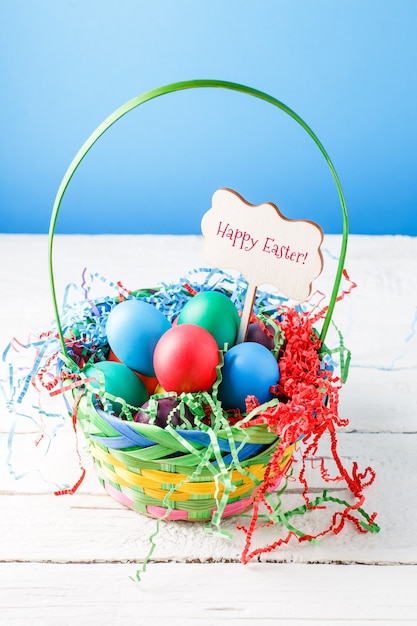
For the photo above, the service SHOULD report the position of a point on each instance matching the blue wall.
(347, 67)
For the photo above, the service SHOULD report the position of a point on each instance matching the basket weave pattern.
(224, 467)
(177, 474)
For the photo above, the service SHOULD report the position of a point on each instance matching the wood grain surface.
(69, 559)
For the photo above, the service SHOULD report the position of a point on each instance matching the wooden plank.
(79, 551)
(91, 526)
(380, 401)
(178, 594)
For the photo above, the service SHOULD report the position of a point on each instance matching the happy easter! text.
(243, 240)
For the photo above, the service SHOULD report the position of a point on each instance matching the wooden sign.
(263, 245)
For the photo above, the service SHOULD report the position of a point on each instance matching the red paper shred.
(345, 292)
(123, 291)
(56, 385)
(73, 489)
(190, 289)
(306, 414)
(308, 408)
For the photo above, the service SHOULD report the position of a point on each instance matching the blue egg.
(133, 329)
(249, 369)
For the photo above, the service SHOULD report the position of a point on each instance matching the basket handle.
(160, 91)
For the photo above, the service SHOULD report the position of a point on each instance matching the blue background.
(347, 67)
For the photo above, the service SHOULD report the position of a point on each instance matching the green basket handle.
(180, 86)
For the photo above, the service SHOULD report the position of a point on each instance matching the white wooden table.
(68, 559)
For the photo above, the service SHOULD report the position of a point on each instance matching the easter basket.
(203, 462)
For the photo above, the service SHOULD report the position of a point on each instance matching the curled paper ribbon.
(304, 409)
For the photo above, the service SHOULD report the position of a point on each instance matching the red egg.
(185, 359)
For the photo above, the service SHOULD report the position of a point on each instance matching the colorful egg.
(185, 359)
(133, 329)
(257, 333)
(150, 382)
(249, 369)
(120, 381)
(169, 410)
(215, 312)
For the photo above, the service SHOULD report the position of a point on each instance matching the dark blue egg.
(258, 334)
(249, 369)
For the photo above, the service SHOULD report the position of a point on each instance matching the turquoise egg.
(215, 312)
(120, 381)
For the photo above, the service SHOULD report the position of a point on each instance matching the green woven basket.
(178, 473)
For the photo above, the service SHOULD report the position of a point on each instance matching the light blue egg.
(133, 329)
